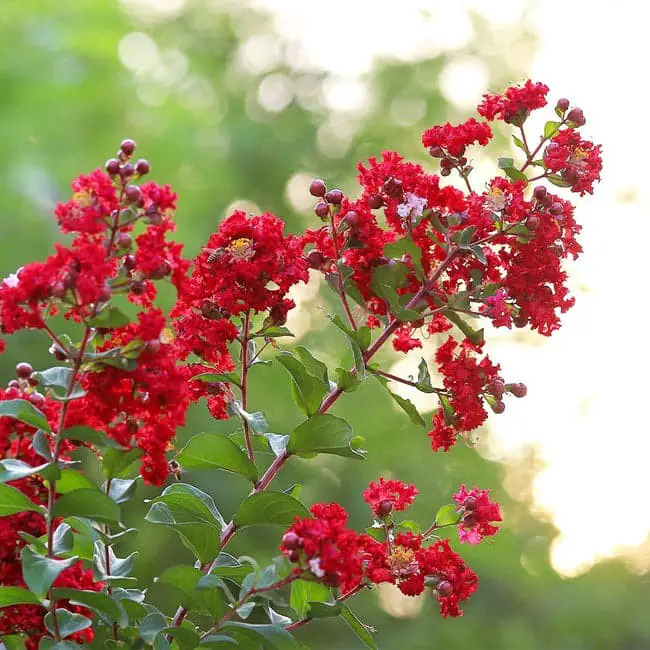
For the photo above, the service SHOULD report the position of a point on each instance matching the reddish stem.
(244, 387)
(341, 289)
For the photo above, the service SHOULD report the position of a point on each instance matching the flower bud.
(556, 208)
(469, 519)
(138, 287)
(112, 166)
(24, 370)
(315, 259)
(384, 507)
(317, 187)
(393, 187)
(498, 407)
(127, 147)
(161, 271)
(142, 167)
(322, 210)
(375, 201)
(335, 197)
(36, 398)
(444, 588)
(447, 163)
(105, 294)
(133, 194)
(539, 192)
(129, 262)
(532, 222)
(294, 556)
(14, 383)
(576, 116)
(518, 390)
(496, 388)
(127, 171)
(58, 290)
(33, 380)
(351, 219)
(123, 240)
(291, 541)
(436, 152)
(570, 176)
(562, 104)
(153, 346)
(445, 172)
(470, 503)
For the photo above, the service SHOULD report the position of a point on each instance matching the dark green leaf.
(110, 318)
(405, 404)
(447, 515)
(477, 249)
(101, 603)
(184, 579)
(116, 461)
(406, 245)
(40, 572)
(269, 508)
(209, 377)
(215, 451)
(13, 641)
(515, 174)
(12, 469)
(424, 378)
(273, 332)
(362, 631)
(253, 636)
(63, 539)
(71, 480)
(314, 366)
(59, 378)
(13, 501)
(464, 237)
(184, 637)
(17, 596)
(475, 336)
(218, 641)
(309, 390)
(323, 610)
(346, 380)
(122, 489)
(48, 643)
(305, 591)
(519, 144)
(324, 434)
(151, 626)
(88, 434)
(385, 281)
(67, 622)
(21, 409)
(41, 445)
(558, 180)
(87, 502)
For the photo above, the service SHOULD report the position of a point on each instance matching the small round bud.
(105, 294)
(290, 541)
(129, 262)
(576, 116)
(132, 193)
(317, 187)
(112, 166)
(496, 388)
(556, 208)
(470, 503)
(445, 172)
(33, 380)
(14, 383)
(393, 187)
(532, 222)
(570, 176)
(445, 588)
(36, 398)
(138, 287)
(447, 163)
(24, 370)
(335, 197)
(127, 147)
(539, 192)
(436, 152)
(58, 290)
(70, 279)
(142, 167)
(152, 347)
(520, 321)
(375, 201)
(562, 104)
(462, 160)
(59, 354)
(469, 519)
(499, 407)
(518, 390)
(124, 240)
(161, 271)
(322, 210)
(384, 507)
(315, 259)
(351, 219)
(127, 171)
(294, 556)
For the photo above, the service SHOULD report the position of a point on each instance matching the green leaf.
(17, 596)
(48, 643)
(122, 489)
(406, 245)
(475, 336)
(269, 508)
(362, 631)
(62, 539)
(277, 442)
(110, 318)
(151, 626)
(273, 332)
(424, 378)
(361, 336)
(59, 377)
(210, 377)
(41, 445)
(88, 434)
(71, 480)
(215, 451)
(515, 174)
(405, 404)
(100, 603)
(13, 641)
(67, 622)
(193, 515)
(479, 254)
(117, 461)
(410, 526)
(309, 390)
(324, 434)
(519, 144)
(505, 163)
(314, 366)
(40, 572)
(21, 409)
(12, 469)
(304, 592)
(385, 281)
(218, 641)
(558, 180)
(184, 579)
(256, 420)
(551, 128)
(323, 610)
(13, 501)
(87, 502)
(347, 381)
(447, 515)
(464, 237)
(184, 636)
(271, 637)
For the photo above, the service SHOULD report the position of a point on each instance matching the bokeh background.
(242, 102)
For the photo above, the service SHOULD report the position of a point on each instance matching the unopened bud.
(129, 262)
(124, 240)
(133, 194)
(556, 208)
(445, 172)
(532, 222)
(498, 407)
(445, 588)
(36, 398)
(322, 210)
(142, 167)
(24, 370)
(539, 192)
(138, 287)
(351, 219)
(576, 116)
(127, 147)
(436, 152)
(470, 503)
(384, 507)
(518, 390)
(393, 187)
(520, 321)
(335, 197)
(290, 540)
(375, 201)
(317, 187)
(562, 104)
(469, 519)
(315, 259)
(112, 166)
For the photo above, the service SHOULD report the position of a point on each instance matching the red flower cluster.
(454, 139)
(323, 547)
(387, 495)
(577, 161)
(467, 379)
(515, 103)
(478, 513)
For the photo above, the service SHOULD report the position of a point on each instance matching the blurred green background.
(224, 114)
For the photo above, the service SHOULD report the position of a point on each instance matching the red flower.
(478, 511)
(515, 104)
(403, 341)
(387, 495)
(454, 139)
(578, 161)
